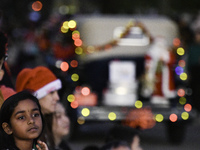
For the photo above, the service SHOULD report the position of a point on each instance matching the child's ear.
(7, 128)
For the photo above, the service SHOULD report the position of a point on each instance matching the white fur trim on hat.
(52, 86)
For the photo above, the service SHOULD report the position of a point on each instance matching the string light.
(71, 98)
(185, 115)
(80, 49)
(188, 107)
(112, 116)
(85, 112)
(181, 92)
(37, 6)
(74, 104)
(64, 66)
(159, 118)
(138, 104)
(173, 117)
(180, 51)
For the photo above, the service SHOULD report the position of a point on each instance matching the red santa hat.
(40, 80)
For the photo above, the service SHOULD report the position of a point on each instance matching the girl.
(21, 123)
(60, 127)
(44, 85)
(59, 124)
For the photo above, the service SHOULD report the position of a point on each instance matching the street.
(151, 139)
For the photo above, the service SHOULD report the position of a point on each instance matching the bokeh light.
(182, 100)
(72, 9)
(185, 115)
(79, 51)
(159, 118)
(81, 120)
(180, 51)
(183, 76)
(181, 92)
(71, 98)
(85, 91)
(188, 107)
(176, 42)
(64, 30)
(112, 116)
(75, 35)
(181, 63)
(74, 63)
(72, 24)
(189, 91)
(78, 42)
(65, 25)
(34, 16)
(179, 70)
(63, 10)
(58, 63)
(64, 66)
(173, 117)
(138, 104)
(74, 104)
(90, 49)
(76, 31)
(85, 112)
(75, 77)
(78, 89)
(37, 6)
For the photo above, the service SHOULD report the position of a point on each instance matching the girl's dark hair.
(48, 136)
(3, 42)
(124, 133)
(114, 144)
(91, 147)
(6, 112)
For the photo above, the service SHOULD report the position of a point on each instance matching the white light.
(121, 90)
(58, 63)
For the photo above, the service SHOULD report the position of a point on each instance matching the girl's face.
(48, 103)
(61, 122)
(26, 121)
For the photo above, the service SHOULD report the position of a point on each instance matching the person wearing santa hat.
(43, 84)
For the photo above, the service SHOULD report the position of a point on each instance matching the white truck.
(116, 63)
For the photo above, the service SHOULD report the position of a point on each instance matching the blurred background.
(103, 68)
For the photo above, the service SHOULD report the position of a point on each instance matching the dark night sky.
(15, 13)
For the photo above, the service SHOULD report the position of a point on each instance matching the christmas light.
(176, 42)
(188, 107)
(71, 98)
(37, 6)
(159, 118)
(85, 91)
(173, 117)
(182, 100)
(85, 112)
(112, 116)
(180, 51)
(138, 104)
(64, 66)
(184, 115)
